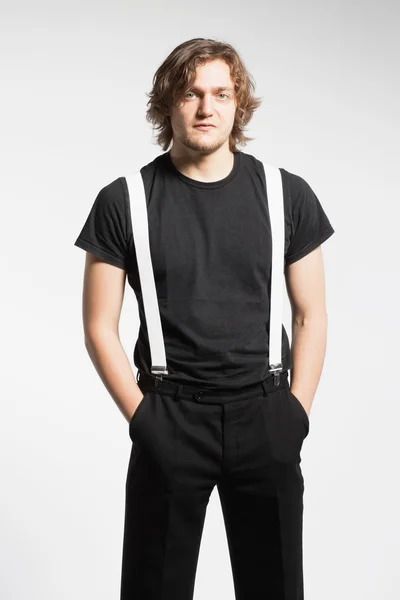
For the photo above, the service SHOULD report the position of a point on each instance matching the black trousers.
(184, 442)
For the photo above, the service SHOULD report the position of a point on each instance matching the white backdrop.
(73, 99)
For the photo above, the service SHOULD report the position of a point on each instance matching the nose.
(206, 105)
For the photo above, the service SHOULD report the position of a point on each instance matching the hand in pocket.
(301, 406)
(137, 412)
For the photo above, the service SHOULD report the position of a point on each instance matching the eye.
(220, 94)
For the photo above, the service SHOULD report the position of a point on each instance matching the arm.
(103, 292)
(305, 282)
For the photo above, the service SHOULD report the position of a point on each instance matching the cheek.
(183, 121)
(178, 118)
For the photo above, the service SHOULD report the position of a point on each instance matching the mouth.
(204, 127)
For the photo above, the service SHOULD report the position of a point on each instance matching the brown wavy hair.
(178, 72)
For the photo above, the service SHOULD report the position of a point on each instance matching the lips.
(204, 126)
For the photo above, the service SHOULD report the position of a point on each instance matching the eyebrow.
(215, 89)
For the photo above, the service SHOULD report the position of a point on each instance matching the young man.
(217, 417)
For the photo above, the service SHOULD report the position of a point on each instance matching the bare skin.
(305, 284)
(204, 156)
(103, 293)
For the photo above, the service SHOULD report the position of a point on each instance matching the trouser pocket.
(136, 415)
(286, 423)
(300, 408)
(152, 430)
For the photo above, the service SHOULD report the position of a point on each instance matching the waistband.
(196, 392)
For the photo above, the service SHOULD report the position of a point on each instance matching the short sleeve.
(104, 233)
(310, 226)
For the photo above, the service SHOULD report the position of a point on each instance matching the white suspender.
(273, 178)
(140, 229)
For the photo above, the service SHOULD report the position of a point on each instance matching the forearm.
(112, 365)
(309, 337)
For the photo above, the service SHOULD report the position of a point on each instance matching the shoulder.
(148, 176)
(111, 199)
(296, 182)
(251, 163)
(291, 182)
(110, 206)
(294, 186)
(298, 186)
(300, 196)
(300, 199)
(112, 192)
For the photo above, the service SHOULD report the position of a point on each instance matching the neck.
(203, 167)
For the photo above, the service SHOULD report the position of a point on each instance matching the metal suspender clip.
(159, 372)
(276, 370)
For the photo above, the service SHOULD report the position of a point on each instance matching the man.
(217, 417)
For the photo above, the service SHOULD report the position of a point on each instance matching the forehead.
(213, 75)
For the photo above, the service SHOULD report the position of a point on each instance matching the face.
(211, 99)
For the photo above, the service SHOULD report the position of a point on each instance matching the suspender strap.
(277, 218)
(140, 228)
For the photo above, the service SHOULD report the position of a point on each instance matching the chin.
(205, 146)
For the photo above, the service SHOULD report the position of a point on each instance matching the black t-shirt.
(210, 246)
